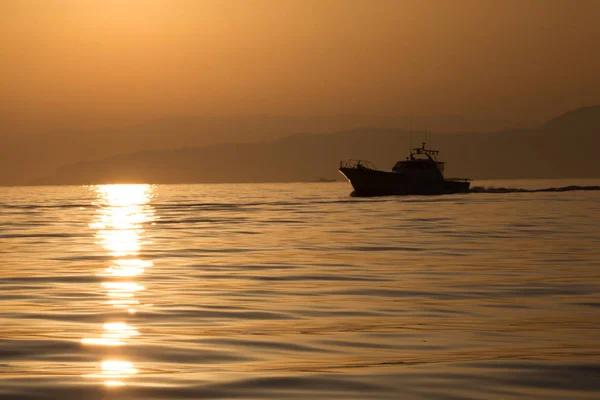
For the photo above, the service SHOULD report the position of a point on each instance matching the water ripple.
(299, 291)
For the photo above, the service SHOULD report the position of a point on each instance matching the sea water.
(298, 291)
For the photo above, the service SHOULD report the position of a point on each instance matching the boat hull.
(371, 182)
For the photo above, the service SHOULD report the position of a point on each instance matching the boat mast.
(410, 135)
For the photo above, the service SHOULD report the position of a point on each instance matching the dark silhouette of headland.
(564, 147)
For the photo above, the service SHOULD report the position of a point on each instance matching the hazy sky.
(121, 61)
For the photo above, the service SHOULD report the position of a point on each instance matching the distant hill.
(564, 147)
(581, 120)
(28, 151)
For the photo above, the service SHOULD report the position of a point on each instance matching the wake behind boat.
(420, 173)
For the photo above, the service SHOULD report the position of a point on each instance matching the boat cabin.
(420, 158)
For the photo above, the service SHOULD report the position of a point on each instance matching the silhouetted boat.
(420, 173)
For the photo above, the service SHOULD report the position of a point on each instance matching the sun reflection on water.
(114, 371)
(122, 213)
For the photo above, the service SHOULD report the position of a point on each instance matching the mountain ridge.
(522, 153)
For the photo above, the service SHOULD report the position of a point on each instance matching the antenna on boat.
(410, 134)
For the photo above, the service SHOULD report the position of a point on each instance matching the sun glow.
(125, 195)
(122, 213)
(126, 268)
(114, 371)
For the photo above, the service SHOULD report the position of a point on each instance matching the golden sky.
(133, 60)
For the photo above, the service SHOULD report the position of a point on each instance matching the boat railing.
(459, 179)
(357, 164)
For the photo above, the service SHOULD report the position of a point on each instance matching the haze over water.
(297, 291)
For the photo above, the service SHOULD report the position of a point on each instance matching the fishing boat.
(421, 173)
